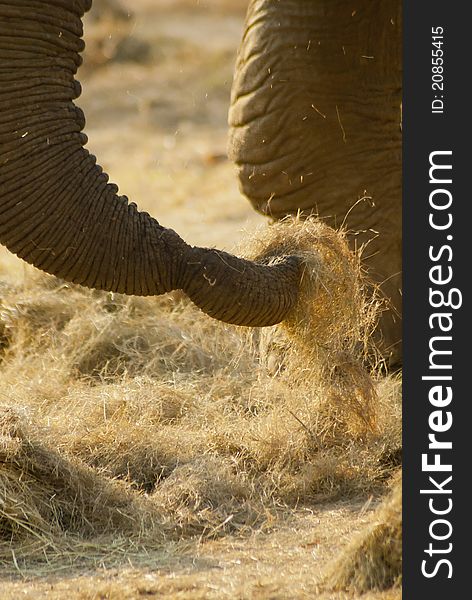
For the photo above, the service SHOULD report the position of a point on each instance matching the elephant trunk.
(59, 212)
(228, 288)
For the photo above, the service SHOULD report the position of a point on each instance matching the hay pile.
(44, 491)
(128, 422)
(373, 560)
(49, 502)
(326, 339)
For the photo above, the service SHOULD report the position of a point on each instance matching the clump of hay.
(335, 312)
(46, 499)
(134, 435)
(327, 336)
(208, 495)
(373, 560)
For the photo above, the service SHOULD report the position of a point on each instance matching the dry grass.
(131, 423)
(47, 497)
(327, 337)
(373, 560)
(229, 462)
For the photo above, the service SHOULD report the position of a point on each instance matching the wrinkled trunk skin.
(57, 209)
(315, 123)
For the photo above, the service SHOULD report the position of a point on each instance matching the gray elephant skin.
(315, 127)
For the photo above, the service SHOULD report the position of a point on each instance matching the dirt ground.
(156, 87)
(283, 565)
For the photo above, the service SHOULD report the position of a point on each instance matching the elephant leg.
(315, 122)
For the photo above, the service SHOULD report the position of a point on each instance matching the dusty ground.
(285, 564)
(156, 91)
